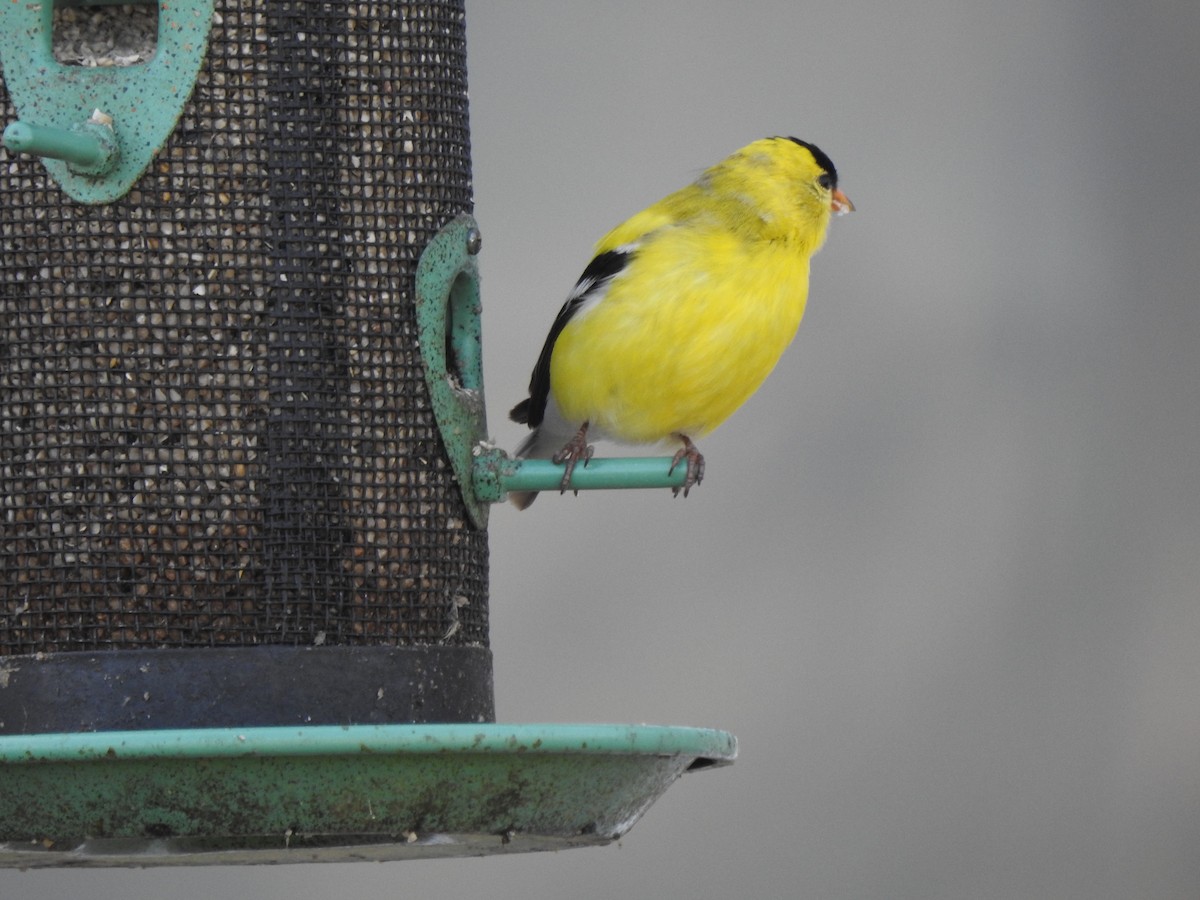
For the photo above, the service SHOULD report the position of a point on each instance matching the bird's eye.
(825, 181)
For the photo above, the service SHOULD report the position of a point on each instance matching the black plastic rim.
(231, 687)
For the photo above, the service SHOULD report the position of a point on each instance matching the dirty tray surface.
(330, 793)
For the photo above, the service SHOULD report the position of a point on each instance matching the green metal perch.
(496, 474)
(87, 149)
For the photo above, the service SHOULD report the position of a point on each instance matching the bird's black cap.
(819, 155)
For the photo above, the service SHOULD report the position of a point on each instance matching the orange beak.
(840, 204)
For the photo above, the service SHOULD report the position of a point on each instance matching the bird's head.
(790, 185)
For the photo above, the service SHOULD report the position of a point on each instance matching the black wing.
(599, 272)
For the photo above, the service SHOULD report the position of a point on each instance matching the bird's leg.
(695, 465)
(575, 449)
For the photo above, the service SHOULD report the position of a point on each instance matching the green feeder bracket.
(333, 794)
(98, 128)
(448, 325)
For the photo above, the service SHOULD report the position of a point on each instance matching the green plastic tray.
(286, 795)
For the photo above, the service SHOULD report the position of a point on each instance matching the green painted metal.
(333, 794)
(104, 2)
(87, 149)
(448, 323)
(324, 740)
(496, 474)
(142, 101)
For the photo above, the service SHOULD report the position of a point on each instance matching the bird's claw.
(695, 465)
(574, 450)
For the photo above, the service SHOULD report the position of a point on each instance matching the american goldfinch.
(683, 311)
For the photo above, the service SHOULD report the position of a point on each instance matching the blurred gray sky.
(942, 578)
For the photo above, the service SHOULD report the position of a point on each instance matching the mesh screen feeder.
(243, 478)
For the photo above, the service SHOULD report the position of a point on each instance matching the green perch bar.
(84, 149)
(497, 475)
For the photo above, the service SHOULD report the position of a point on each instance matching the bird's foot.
(695, 465)
(574, 450)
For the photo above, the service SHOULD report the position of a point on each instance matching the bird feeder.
(244, 478)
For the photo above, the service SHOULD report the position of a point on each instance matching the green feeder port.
(243, 560)
(97, 129)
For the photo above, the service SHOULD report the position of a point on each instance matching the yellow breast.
(683, 336)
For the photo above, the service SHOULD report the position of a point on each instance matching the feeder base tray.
(333, 794)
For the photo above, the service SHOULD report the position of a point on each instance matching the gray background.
(942, 580)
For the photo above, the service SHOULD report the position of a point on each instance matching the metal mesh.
(214, 428)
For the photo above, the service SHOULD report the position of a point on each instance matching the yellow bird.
(684, 310)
